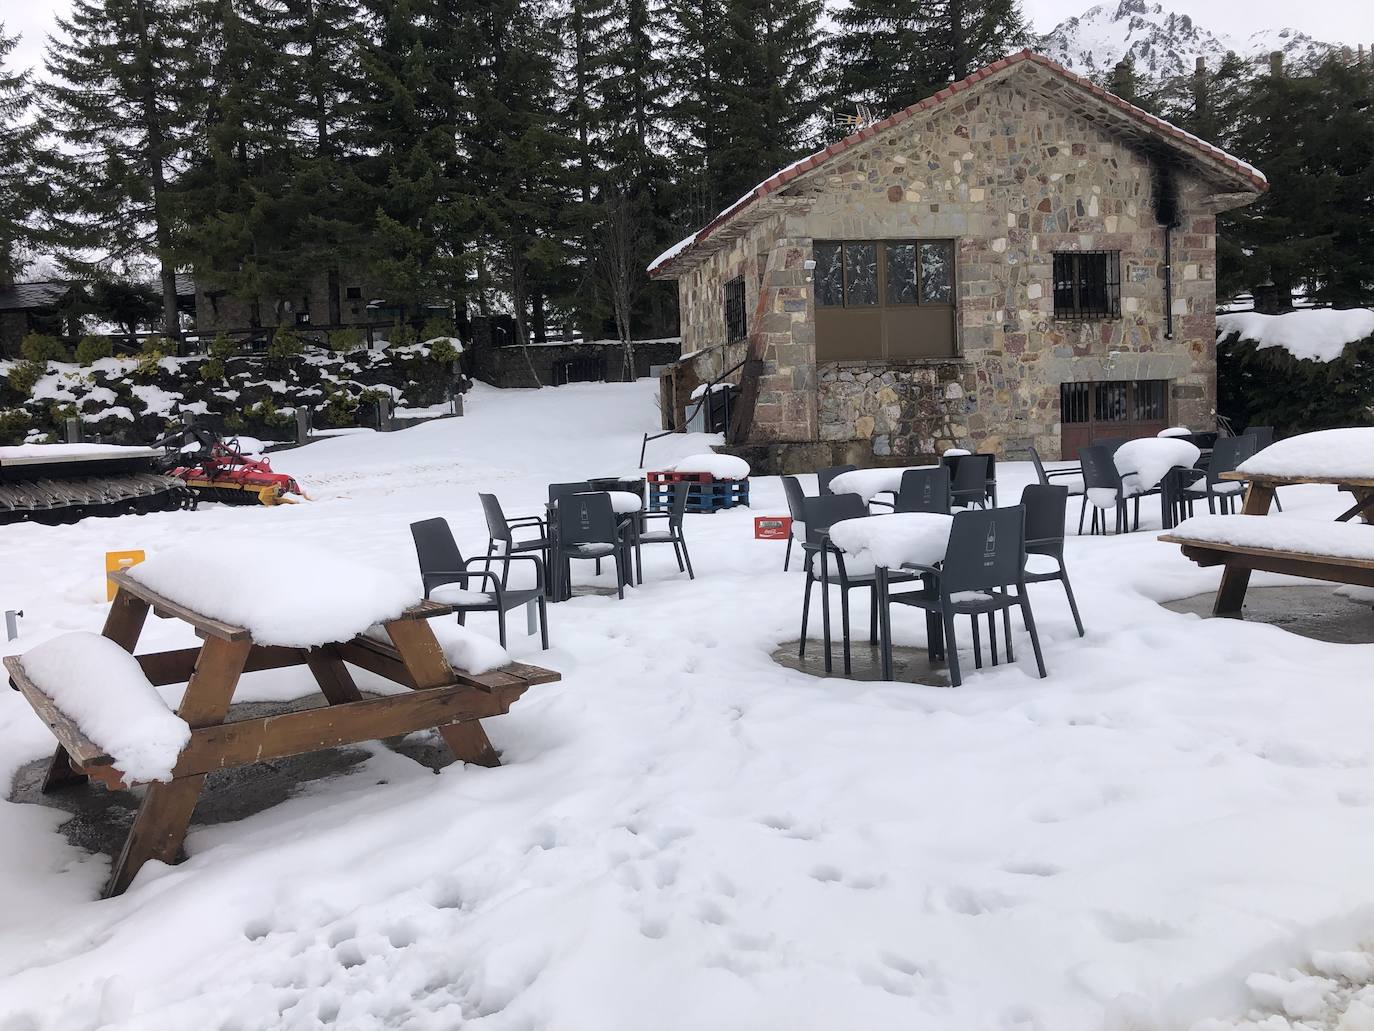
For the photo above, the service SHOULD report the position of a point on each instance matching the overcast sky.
(1337, 21)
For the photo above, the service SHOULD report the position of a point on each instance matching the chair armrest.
(655, 515)
(526, 521)
(919, 568)
(884, 504)
(1050, 473)
(462, 577)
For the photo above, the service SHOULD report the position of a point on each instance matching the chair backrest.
(1040, 473)
(796, 498)
(1099, 467)
(1227, 453)
(586, 519)
(438, 553)
(562, 490)
(1264, 436)
(924, 490)
(987, 548)
(820, 514)
(497, 527)
(971, 476)
(1044, 505)
(679, 492)
(1110, 443)
(824, 476)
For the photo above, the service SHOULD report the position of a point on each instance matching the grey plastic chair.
(1072, 478)
(796, 508)
(924, 490)
(829, 567)
(824, 476)
(587, 529)
(500, 532)
(1100, 473)
(1045, 506)
(562, 490)
(986, 557)
(1227, 454)
(442, 563)
(673, 535)
(969, 485)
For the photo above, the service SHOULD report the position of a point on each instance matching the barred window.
(1087, 285)
(736, 323)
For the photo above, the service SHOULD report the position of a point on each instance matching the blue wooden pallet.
(701, 497)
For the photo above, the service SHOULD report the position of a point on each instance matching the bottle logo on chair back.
(990, 545)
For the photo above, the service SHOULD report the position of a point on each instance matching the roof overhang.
(1235, 182)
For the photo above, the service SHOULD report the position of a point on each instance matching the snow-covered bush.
(39, 347)
(23, 375)
(92, 348)
(14, 423)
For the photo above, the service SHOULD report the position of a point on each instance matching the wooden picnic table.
(448, 700)
(1240, 560)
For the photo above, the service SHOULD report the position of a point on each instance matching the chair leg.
(1006, 626)
(462, 618)
(806, 611)
(951, 647)
(621, 574)
(787, 555)
(598, 567)
(677, 554)
(1277, 503)
(686, 557)
(491, 550)
(1073, 605)
(844, 625)
(977, 643)
(1082, 510)
(543, 623)
(992, 636)
(1030, 628)
(501, 626)
(873, 614)
(1136, 521)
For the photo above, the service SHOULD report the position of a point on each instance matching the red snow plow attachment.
(222, 472)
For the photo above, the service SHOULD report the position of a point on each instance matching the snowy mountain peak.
(1160, 42)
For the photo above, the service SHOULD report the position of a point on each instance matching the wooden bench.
(1247, 551)
(447, 700)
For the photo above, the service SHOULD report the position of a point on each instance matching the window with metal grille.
(1087, 285)
(1141, 400)
(736, 323)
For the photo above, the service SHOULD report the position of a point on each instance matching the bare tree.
(619, 259)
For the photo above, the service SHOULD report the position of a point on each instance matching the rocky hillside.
(135, 400)
(1161, 42)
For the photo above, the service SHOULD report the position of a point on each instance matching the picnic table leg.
(1235, 581)
(336, 683)
(424, 660)
(61, 773)
(160, 826)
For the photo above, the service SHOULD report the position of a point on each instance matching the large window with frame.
(736, 322)
(884, 298)
(1087, 285)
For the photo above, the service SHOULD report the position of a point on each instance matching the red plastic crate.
(672, 477)
(772, 528)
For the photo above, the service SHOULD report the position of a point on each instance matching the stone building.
(1021, 260)
(328, 298)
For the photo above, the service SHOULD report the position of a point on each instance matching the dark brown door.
(1110, 410)
(883, 299)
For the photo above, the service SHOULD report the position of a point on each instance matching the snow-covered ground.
(686, 835)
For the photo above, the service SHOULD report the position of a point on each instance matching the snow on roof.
(103, 689)
(1314, 334)
(801, 166)
(1327, 454)
(285, 593)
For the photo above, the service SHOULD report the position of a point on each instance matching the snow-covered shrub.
(14, 423)
(436, 328)
(401, 335)
(23, 375)
(92, 348)
(1268, 386)
(211, 370)
(39, 347)
(346, 340)
(286, 344)
(442, 350)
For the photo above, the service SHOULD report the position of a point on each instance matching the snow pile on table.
(1175, 431)
(1327, 454)
(465, 649)
(721, 467)
(1144, 462)
(1317, 334)
(104, 691)
(868, 482)
(1305, 536)
(919, 538)
(289, 594)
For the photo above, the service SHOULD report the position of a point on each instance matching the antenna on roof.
(862, 118)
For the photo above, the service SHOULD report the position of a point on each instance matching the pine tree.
(892, 53)
(24, 198)
(116, 70)
(695, 114)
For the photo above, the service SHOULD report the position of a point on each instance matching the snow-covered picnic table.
(318, 611)
(1299, 547)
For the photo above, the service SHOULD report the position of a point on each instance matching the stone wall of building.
(905, 412)
(546, 364)
(1013, 178)
(220, 310)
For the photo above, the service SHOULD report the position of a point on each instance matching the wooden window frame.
(882, 244)
(1068, 267)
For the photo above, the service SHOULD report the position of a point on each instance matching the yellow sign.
(116, 560)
